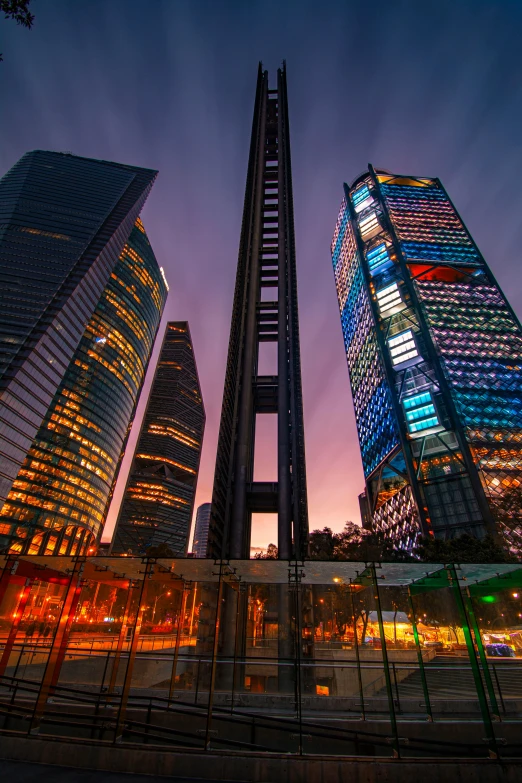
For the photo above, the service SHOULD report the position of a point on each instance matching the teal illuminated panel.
(421, 414)
(378, 259)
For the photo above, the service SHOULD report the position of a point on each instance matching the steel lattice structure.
(266, 261)
(434, 353)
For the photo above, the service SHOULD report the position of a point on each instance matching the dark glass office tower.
(264, 311)
(159, 498)
(434, 353)
(75, 338)
(199, 545)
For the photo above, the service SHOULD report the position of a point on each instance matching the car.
(499, 650)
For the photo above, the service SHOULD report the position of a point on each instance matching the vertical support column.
(238, 677)
(52, 669)
(120, 723)
(479, 685)
(420, 659)
(179, 631)
(239, 535)
(387, 678)
(19, 612)
(214, 657)
(482, 654)
(284, 510)
(121, 638)
(357, 655)
(11, 564)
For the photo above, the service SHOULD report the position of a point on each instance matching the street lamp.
(156, 601)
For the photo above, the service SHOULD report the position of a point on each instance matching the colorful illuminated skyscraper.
(159, 498)
(435, 360)
(82, 300)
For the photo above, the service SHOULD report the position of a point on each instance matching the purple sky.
(431, 88)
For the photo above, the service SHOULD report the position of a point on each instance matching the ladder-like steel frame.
(266, 260)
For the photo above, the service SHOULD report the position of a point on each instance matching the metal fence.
(328, 658)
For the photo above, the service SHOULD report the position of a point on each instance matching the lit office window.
(389, 299)
(402, 347)
(368, 224)
(421, 414)
(362, 198)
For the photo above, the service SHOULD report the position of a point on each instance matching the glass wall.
(327, 658)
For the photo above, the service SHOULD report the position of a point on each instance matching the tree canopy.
(19, 11)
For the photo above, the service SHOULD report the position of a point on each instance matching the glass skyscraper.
(82, 297)
(200, 543)
(435, 360)
(159, 499)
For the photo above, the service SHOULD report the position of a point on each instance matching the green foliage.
(353, 543)
(464, 549)
(162, 550)
(270, 554)
(19, 11)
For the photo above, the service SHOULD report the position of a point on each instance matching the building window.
(421, 415)
(361, 198)
(389, 300)
(378, 259)
(368, 224)
(402, 347)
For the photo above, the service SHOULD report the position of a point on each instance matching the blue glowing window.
(378, 258)
(360, 195)
(421, 414)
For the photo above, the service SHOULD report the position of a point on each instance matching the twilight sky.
(431, 88)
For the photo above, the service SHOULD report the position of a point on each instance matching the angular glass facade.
(159, 499)
(63, 223)
(435, 358)
(58, 501)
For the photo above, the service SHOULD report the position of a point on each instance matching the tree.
(353, 543)
(270, 554)
(19, 11)
(464, 549)
(161, 550)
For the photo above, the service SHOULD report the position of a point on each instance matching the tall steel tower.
(266, 261)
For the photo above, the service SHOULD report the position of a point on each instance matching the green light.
(489, 599)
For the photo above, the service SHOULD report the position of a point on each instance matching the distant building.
(434, 353)
(199, 544)
(159, 499)
(82, 298)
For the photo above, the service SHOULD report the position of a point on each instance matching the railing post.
(387, 678)
(52, 668)
(479, 685)
(420, 659)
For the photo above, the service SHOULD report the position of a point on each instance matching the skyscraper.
(159, 499)
(264, 310)
(199, 545)
(82, 297)
(434, 353)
